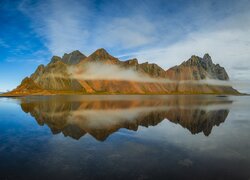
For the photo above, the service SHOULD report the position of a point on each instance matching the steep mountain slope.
(73, 58)
(197, 68)
(101, 56)
(102, 73)
(152, 70)
(55, 76)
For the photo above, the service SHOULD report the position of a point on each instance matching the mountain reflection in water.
(100, 116)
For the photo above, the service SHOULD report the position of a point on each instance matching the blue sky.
(159, 31)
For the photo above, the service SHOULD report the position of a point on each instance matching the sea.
(125, 137)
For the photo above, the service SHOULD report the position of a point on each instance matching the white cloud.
(98, 71)
(222, 30)
(67, 25)
(64, 30)
(60, 23)
(228, 43)
(225, 46)
(126, 32)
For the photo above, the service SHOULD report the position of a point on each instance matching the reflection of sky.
(163, 149)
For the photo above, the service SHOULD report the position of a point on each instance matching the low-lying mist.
(100, 71)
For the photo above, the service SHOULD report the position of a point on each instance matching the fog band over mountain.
(100, 71)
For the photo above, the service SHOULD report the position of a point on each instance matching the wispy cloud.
(3, 43)
(227, 42)
(60, 23)
(68, 25)
(163, 32)
(126, 32)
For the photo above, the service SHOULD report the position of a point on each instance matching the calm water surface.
(125, 137)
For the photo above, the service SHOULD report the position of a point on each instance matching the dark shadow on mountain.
(100, 116)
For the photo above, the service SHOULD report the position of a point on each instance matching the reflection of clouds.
(229, 142)
(105, 118)
(165, 148)
(101, 116)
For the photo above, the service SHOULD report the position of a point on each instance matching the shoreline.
(122, 94)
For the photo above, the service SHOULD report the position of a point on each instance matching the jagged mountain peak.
(196, 60)
(207, 57)
(133, 61)
(196, 68)
(73, 58)
(74, 53)
(55, 59)
(101, 55)
(100, 52)
(192, 61)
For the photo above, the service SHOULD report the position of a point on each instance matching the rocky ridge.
(55, 77)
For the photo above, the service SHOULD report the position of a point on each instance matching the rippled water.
(125, 137)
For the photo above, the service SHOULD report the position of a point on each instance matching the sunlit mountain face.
(102, 73)
(101, 116)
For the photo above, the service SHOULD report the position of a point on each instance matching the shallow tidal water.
(125, 137)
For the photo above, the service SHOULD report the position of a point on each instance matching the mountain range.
(101, 73)
(76, 116)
